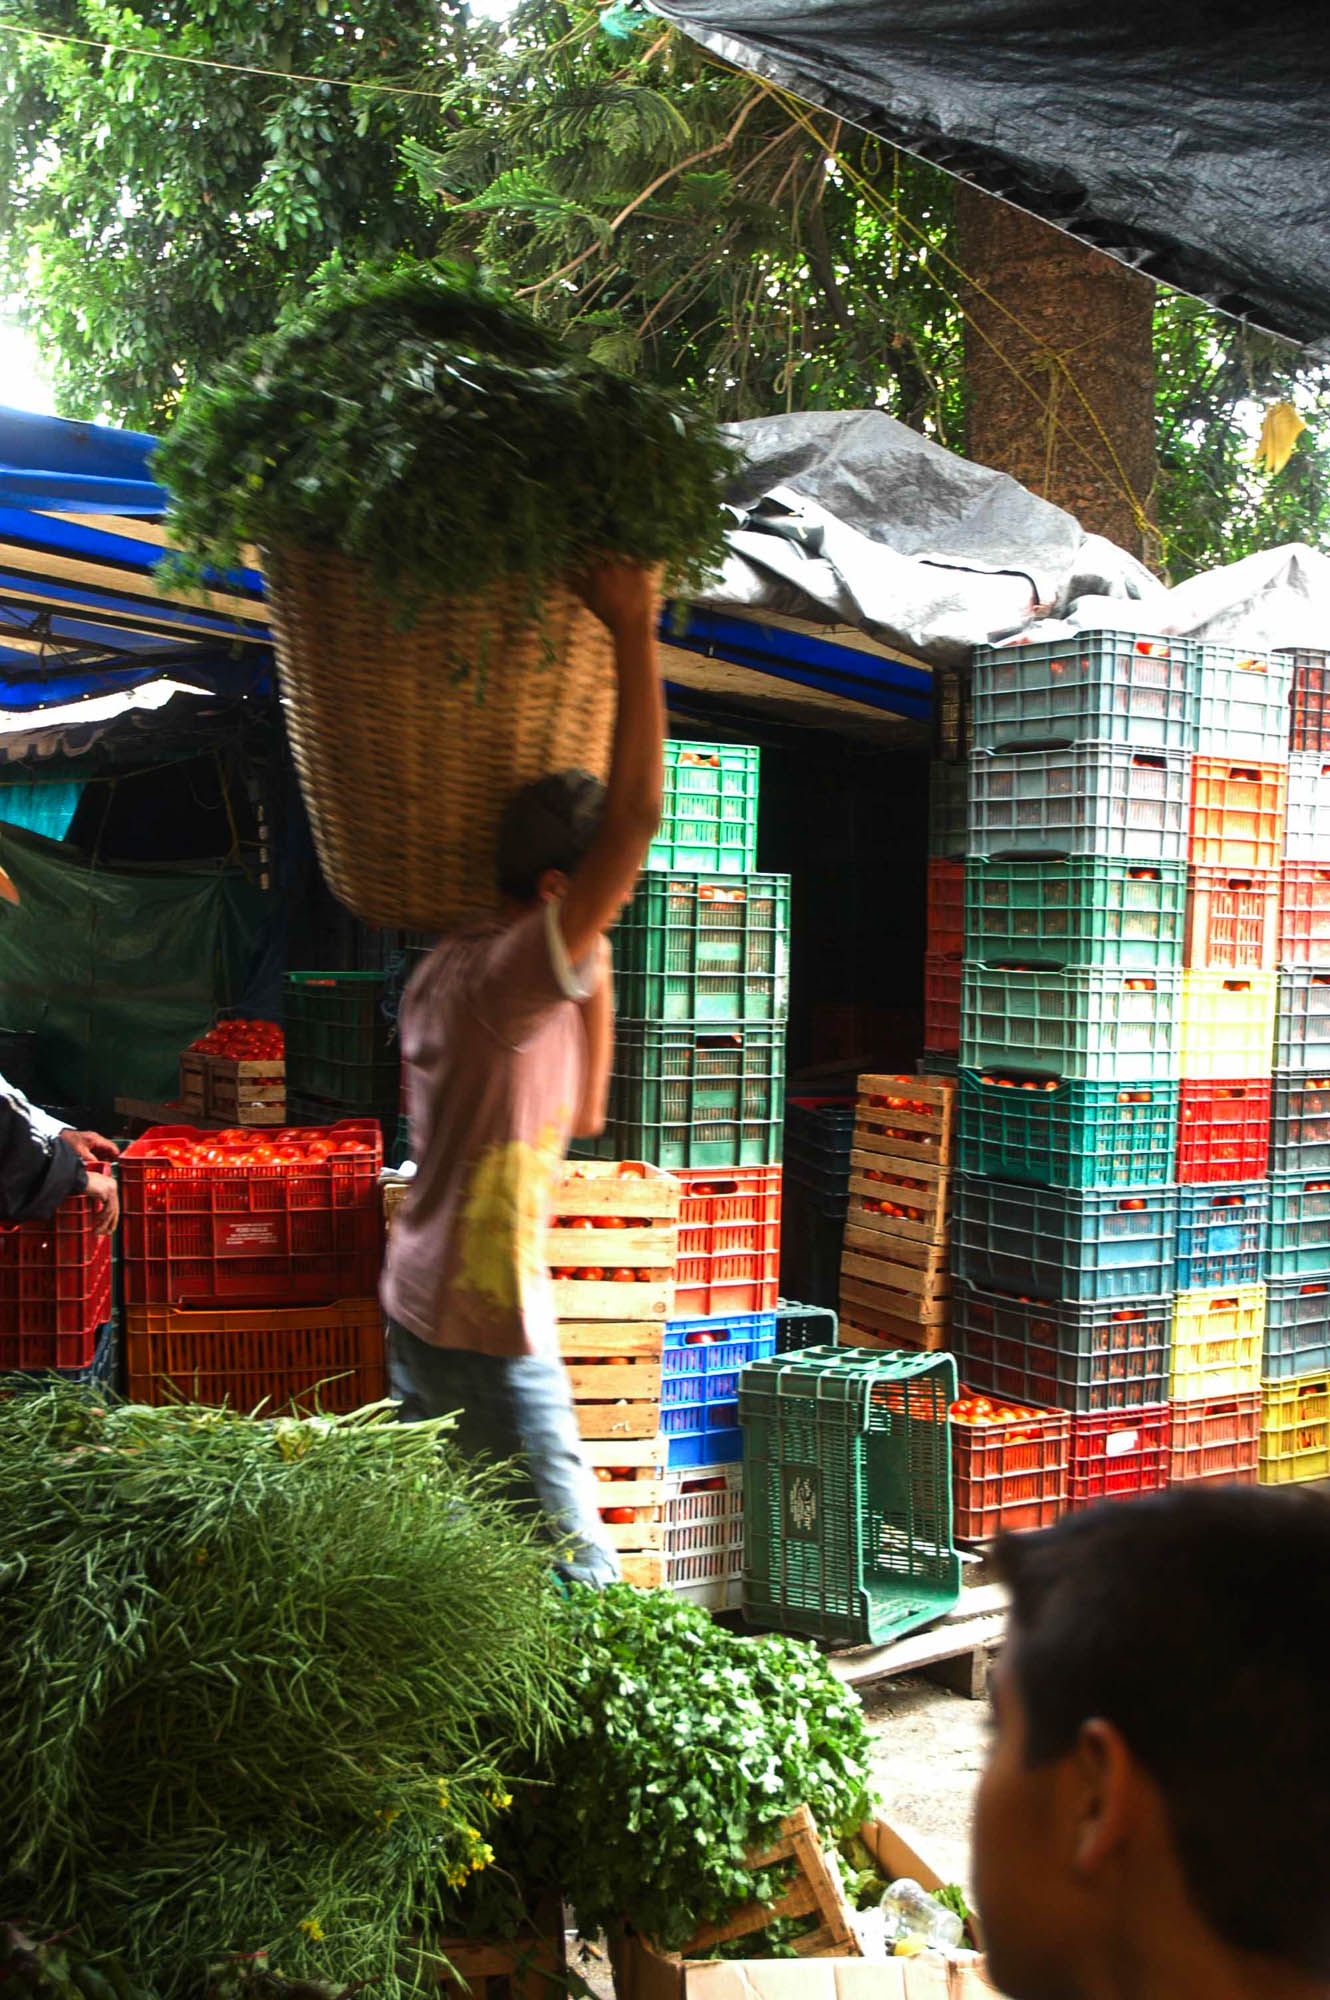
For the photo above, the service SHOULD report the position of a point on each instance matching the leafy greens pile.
(413, 418)
(268, 1687)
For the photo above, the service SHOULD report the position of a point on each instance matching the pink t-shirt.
(494, 1055)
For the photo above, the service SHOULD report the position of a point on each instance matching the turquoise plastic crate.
(847, 1493)
(1299, 1224)
(705, 948)
(1297, 1325)
(1058, 1132)
(1109, 687)
(1300, 1122)
(708, 820)
(1084, 1245)
(1056, 910)
(1096, 1023)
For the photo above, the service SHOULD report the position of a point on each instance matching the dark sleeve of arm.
(34, 1179)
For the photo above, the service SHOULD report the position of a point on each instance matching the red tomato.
(647, 1277)
(591, 1275)
(699, 1339)
(622, 1276)
(610, 1222)
(617, 1516)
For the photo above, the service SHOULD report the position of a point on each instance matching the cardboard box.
(643, 1973)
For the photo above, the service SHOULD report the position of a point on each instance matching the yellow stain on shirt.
(504, 1219)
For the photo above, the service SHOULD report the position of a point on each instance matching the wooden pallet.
(815, 1890)
(958, 1650)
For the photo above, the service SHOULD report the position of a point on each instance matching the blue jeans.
(516, 1409)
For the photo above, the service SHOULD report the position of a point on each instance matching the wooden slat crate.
(612, 1330)
(918, 1193)
(245, 1091)
(521, 1968)
(640, 1543)
(194, 1082)
(914, 1119)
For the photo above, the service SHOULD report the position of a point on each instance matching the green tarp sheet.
(117, 969)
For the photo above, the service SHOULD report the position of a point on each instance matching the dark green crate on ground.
(1076, 909)
(705, 948)
(798, 1326)
(341, 1046)
(847, 1493)
(812, 1241)
(695, 1094)
(708, 816)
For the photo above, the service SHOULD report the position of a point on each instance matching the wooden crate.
(194, 1082)
(893, 1277)
(647, 1201)
(246, 1092)
(522, 1968)
(888, 1332)
(640, 1544)
(615, 1373)
(922, 1191)
(395, 1193)
(918, 1127)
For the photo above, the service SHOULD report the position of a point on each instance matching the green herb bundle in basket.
(427, 472)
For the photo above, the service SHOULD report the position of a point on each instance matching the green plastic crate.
(1058, 1132)
(708, 821)
(340, 1046)
(705, 948)
(1076, 909)
(695, 1094)
(847, 1493)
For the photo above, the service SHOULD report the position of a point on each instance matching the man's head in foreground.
(1154, 1820)
(546, 830)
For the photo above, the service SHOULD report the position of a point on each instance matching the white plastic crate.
(1242, 701)
(702, 1512)
(1308, 828)
(1092, 798)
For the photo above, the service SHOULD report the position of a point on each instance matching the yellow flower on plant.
(481, 1857)
(445, 1796)
(498, 1797)
(388, 1815)
(200, 1555)
(313, 1930)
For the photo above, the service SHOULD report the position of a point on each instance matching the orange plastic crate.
(252, 1232)
(299, 1358)
(55, 1288)
(1237, 814)
(946, 907)
(1304, 928)
(729, 1241)
(1215, 1439)
(1224, 1129)
(1232, 920)
(1009, 1476)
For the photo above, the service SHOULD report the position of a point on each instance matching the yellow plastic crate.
(1228, 1023)
(1217, 1341)
(1295, 1429)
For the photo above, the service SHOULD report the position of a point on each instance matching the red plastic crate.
(946, 907)
(1304, 928)
(1311, 700)
(729, 1241)
(196, 1234)
(329, 1357)
(55, 1288)
(1224, 1129)
(942, 1003)
(1232, 920)
(1116, 1454)
(1237, 814)
(1009, 1476)
(1216, 1439)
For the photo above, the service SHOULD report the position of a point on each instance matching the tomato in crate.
(283, 1216)
(1009, 1466)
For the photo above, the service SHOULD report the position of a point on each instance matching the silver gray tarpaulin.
(1191, 141)
(850, 518)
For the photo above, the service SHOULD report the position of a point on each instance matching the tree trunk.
(1081, 323)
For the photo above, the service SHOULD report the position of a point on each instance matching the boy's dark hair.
(548, 824)
(1196, 1622)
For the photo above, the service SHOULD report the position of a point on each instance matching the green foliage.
(267, 1686)
(419, 421)
(690, 1745)
(155, 213)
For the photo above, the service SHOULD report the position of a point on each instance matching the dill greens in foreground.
(268, 1687)
(413, 418)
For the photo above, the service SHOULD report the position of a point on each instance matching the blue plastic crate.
(1222, 1234)
(716, 1447)
(699, 1393)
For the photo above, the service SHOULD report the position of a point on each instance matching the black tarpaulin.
(1190, 141)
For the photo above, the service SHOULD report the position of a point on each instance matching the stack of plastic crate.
(56, 1296)
(1295, 1390)
(701, 961)
(1064, 1212)
(1238, 791)
(818, 1135)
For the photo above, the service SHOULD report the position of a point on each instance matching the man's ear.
(1100, 1778)
(552, 886)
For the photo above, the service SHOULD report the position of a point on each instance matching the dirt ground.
(929, 1747)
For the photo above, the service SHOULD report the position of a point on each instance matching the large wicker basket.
(408, 742)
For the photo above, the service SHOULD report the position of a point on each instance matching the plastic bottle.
(916, 1919)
